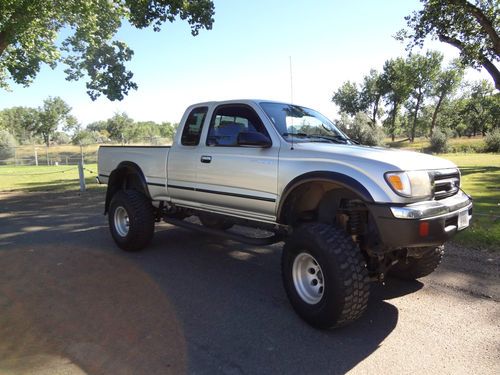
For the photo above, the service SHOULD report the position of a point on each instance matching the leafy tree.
(347, 97)
(361, 129)
(54, 113)
(422, 73)
(447, 81)
(472, 27)
(20, 122)
(395, 78)
(373, 89)
(7, 144)
(29, 32)
(167, 130)
(482, 108)
(119, 127)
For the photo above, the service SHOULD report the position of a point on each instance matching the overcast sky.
(245, 55)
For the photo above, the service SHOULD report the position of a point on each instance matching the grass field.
(45, 178)
(464, 144)
(480, 179)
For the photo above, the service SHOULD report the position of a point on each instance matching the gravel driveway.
(72, 303)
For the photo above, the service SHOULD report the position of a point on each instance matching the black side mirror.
(253, 139)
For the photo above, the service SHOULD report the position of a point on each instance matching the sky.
(246, 55)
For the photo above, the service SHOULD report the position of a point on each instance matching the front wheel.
(325, 275)
(414, 268)
(131, 220)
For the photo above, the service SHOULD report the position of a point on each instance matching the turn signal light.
(396, 182)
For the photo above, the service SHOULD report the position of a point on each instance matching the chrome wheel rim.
(122, 223)
(308, 278)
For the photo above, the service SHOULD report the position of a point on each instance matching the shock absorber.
(356, 217)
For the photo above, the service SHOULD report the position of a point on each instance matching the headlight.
(414, 184)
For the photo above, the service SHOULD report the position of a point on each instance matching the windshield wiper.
(304, 135)
(333, 138)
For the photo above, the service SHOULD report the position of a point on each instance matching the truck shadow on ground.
(189, 303)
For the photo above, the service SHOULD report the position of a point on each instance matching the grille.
(446, 183)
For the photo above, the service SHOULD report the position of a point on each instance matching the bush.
(492, 141)
(361, 130)
(7, 144)
(439, 141)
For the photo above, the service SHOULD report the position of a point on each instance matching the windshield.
(302, 124)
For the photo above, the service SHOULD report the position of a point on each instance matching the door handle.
(206, 159)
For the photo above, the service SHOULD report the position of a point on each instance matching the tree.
(119, 127)
(398, 88)
(373, 89)
(54, 113)
(20, 122)
(347, 97)
(482, 108)
(29, 32)
(472, 27)
(423, 71)
(447, 81)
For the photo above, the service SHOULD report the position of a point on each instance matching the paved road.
(72, 303)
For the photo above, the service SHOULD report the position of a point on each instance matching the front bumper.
(429, 223)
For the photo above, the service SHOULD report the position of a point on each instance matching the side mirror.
(253, 139)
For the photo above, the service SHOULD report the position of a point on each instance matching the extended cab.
(348, 214)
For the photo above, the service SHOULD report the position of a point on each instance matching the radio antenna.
(291, 81)
(291, 95)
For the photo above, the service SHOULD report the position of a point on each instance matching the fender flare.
(340, 179)
(124, 169)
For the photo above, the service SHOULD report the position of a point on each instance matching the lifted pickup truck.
(348, 214)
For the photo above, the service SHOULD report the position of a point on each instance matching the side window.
(194, 124)
(230, 120)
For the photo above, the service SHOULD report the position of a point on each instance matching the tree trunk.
(3, 41)
(434, 115)
(375, 111)
(415, 115)
(393, 120)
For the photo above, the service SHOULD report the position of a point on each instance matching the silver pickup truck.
(348, 214)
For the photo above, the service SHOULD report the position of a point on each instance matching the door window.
(230, 120)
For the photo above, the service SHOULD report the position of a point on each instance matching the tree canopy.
(472, 27)
(29, 32)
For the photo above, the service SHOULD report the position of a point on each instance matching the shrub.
(492, 141)
(361, 130)
(439, 141)
(7, 144)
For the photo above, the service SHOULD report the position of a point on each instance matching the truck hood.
(393, 159)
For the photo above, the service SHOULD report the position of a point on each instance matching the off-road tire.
(215, 222)
(415, 268)
(346, 282)
(141, 220)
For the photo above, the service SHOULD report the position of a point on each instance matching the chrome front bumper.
(432, 209)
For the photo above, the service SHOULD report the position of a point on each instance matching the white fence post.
(36, 156)
(81, 175)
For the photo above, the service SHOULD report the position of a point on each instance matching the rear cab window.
(193, 127)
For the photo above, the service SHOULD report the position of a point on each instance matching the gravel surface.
(73, 303)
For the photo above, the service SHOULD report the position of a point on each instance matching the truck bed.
(151, 159)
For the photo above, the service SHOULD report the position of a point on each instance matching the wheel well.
(127, 176)
(315, 201)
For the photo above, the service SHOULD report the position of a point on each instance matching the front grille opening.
(446, 184)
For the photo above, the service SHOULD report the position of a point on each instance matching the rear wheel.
(131, 220)
(413, 268)
(325, 276)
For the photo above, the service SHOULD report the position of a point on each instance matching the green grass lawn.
(45, 178)
(481, 180)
